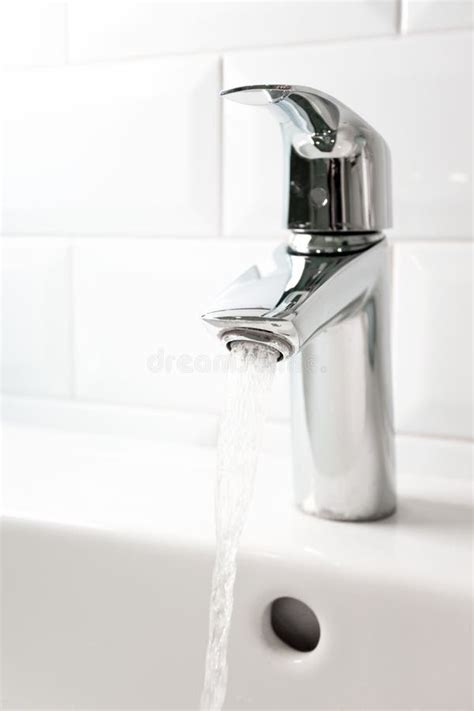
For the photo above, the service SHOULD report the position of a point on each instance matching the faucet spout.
(294, 296)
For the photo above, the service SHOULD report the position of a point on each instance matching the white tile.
(125, 148)
(104, 30)
(36, 318)
(140, 339)
(432, 342)
(32, 32)
(423, 15)
(416, 91)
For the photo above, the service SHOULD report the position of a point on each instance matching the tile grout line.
(400, 30)
(66, 35)
(220, 130)
(458, 439)
(402, 17)
(72, 323)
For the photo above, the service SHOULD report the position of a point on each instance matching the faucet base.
(310, 510)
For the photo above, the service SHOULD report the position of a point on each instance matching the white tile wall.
(139, 337)
(32, 32)
(415, 91)
(123, 145)
(104, 30)
(424, 15)
(433, 352)
(113, 149)
(36, 318)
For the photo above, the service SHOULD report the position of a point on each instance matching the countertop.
(162, 490)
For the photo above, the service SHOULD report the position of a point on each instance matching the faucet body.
(330, 313)
(341, 397)
(323, 303)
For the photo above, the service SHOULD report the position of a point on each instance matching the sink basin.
(107, 557)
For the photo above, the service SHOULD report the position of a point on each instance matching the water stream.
(251, 372)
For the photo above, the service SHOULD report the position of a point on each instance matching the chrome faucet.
(324, 303)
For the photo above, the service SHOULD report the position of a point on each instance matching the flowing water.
(251, 372)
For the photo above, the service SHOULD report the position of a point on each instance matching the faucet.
(323, 302)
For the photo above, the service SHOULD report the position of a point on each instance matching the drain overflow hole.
(295, 624)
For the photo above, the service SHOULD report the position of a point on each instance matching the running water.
(251, 372)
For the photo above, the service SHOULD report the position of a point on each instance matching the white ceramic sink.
(107, 555)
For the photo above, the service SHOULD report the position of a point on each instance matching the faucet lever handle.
(339, 166)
